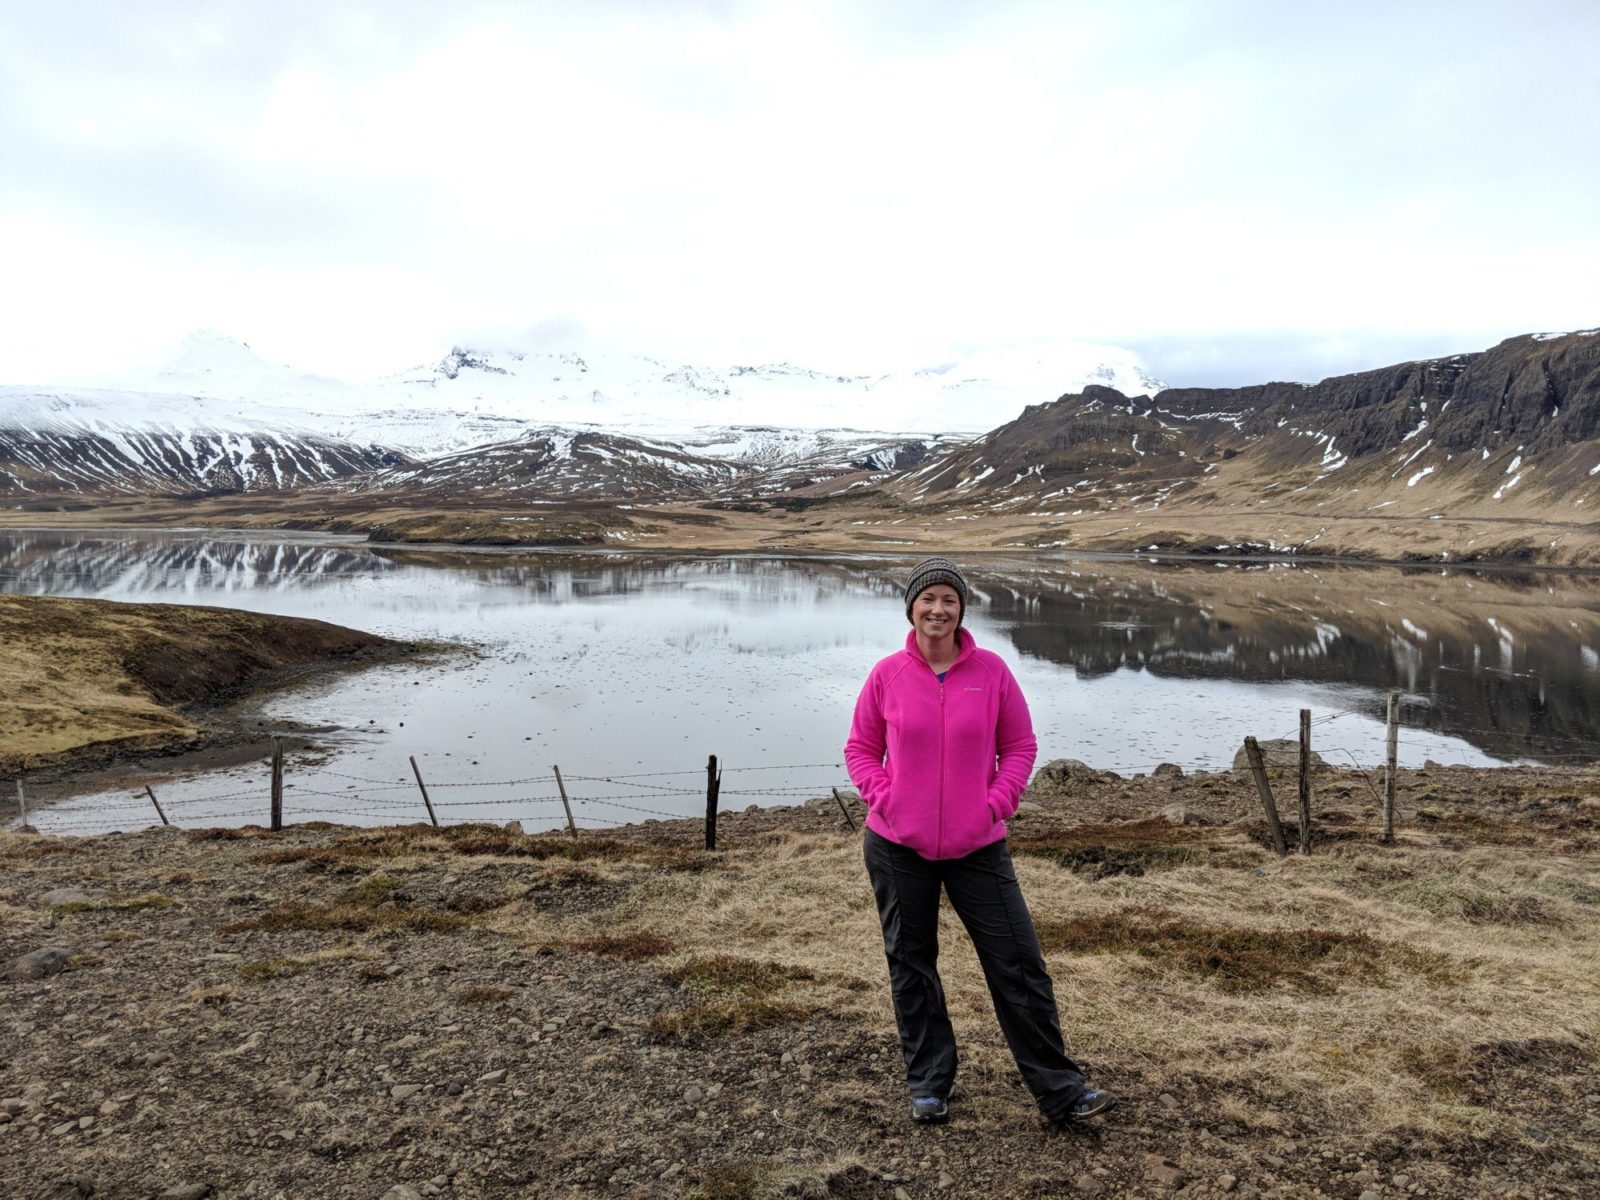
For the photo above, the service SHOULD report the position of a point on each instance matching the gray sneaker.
(1090, 1104)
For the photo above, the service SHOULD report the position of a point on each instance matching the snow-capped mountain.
(217, 416)
(645, 395)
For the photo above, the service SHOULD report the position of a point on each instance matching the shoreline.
(847, 526)
(105, 684)
(292, 533)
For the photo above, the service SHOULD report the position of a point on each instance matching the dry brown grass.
(486, 993)
(423, 841)
(366, 907)
(1122, 848)
(92, 674)
(1237, 959)
(1300, 988)
(633, 946)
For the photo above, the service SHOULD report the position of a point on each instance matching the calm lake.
(628, 671)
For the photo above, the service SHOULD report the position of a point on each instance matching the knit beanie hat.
(931, 571)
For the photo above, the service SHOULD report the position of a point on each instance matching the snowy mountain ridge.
(217, 415)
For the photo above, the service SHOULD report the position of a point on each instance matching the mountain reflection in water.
(1126, 662)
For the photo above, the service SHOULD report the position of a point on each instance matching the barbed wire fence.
(575, 803)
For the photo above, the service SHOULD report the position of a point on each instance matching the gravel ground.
(198, 1045)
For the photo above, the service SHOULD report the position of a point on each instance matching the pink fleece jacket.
(941, 765)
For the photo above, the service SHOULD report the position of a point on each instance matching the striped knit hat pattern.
(931, 571)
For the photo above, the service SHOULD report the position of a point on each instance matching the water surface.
(617, 666)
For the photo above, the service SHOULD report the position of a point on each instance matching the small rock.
(901, 1194)
(65, 1128)
(188, 1191)
(1168, 1101)
(1088, 1185)
(693, 1095)
(71, 895)
(1401, 1180)
(1167, 771)
(12, 1105)
(39, 964)
(495, 1076)
(788, 1058)
(1370, 1195)
(1164, 1173)
(401, 1192)
(513, 827)
(1177, 814)
(549, 1027)
(1226, 1183)
(945, 1179)
(404, 1091)
(313, 1079)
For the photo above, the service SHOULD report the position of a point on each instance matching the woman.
(940, 750)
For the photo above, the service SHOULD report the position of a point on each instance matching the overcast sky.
(1237, 190)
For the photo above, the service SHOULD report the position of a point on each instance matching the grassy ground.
(334, 1005)
(88, 678)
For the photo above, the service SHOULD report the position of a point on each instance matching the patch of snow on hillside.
(1507, 486)
(1422, 474)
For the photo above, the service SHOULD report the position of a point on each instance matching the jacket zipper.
(938, 841)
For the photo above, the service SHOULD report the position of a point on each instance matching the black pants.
(984, 892)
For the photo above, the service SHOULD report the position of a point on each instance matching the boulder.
(1177, 814)
(1065, 773)
(1279, 755)
(40, 964)
(1167, 771)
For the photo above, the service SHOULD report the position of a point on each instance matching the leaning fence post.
(423, 788)
(157, 803)
(713, 790)
(1252, 750)
(571, 828)
(839, 800)
(1391, 755)
(22, 805)
(1305, 781)
(277, 785)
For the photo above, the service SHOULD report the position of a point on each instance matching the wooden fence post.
(423, 788)
(1390, 758)
(157, 803)
(571, 828)
(22, 804)
(277, 785)
(1305, 781)
(713, 790)
(839, 800)
(1252, 750)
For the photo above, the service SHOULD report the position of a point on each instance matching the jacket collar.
(967, 647)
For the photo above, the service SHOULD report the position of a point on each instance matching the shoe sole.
(1073, 1118)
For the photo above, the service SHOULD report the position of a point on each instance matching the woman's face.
(936, 611)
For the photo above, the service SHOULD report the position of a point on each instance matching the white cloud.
(358, 184)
